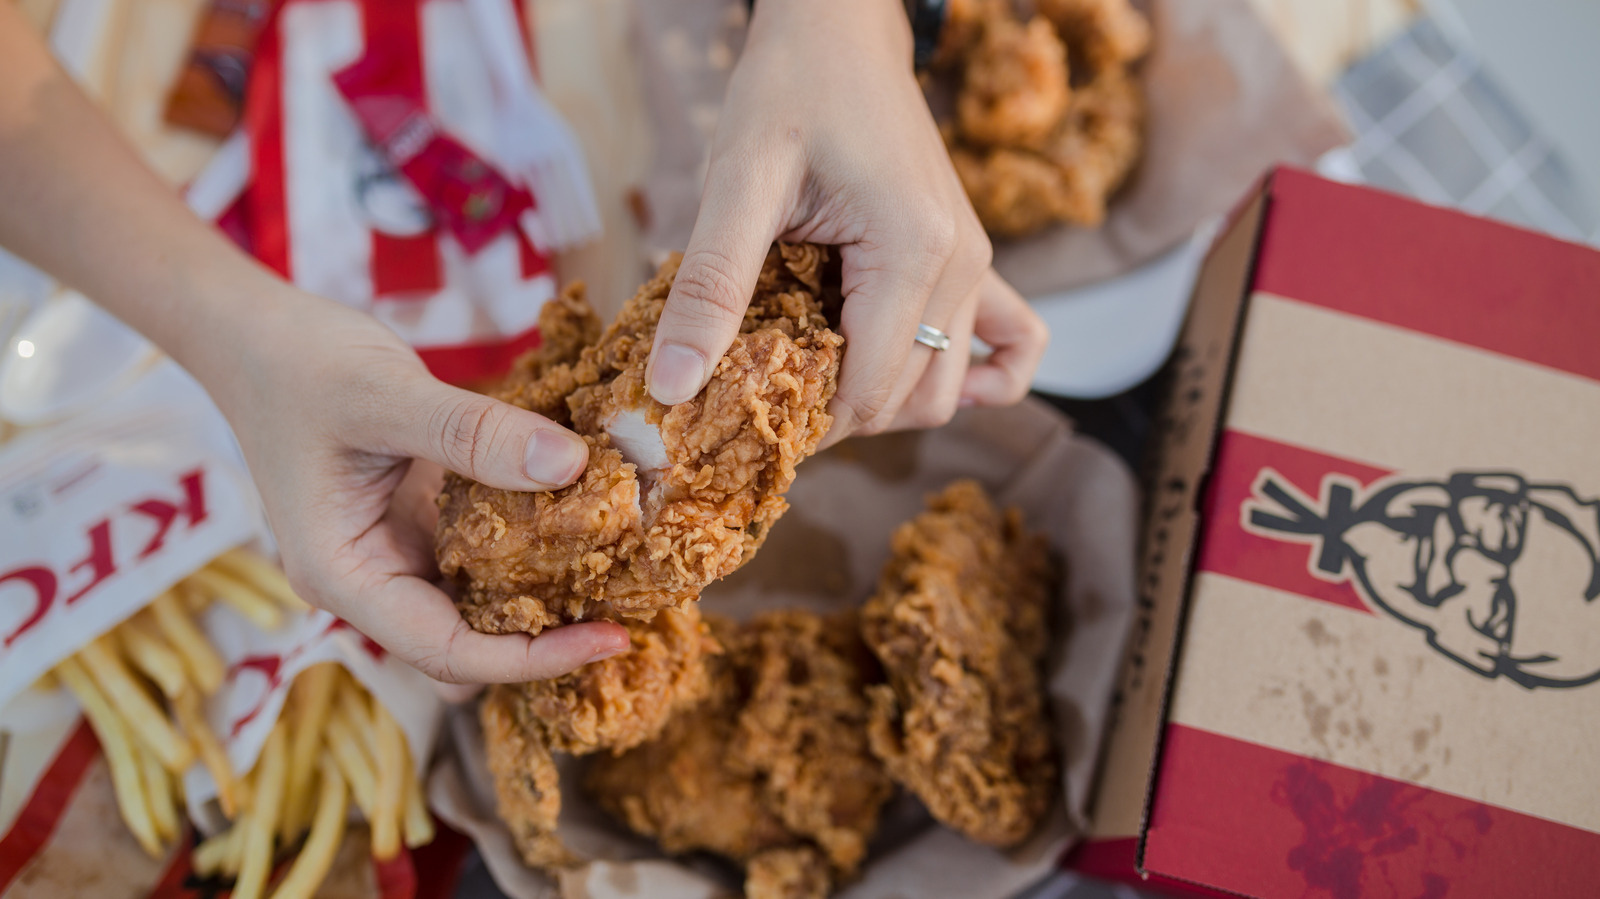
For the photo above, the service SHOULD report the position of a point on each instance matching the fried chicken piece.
(1103, 33)
(1014, 88)
(620, 702)
(773, 769)
(1048, 117)
(1098, 145)
(959, 623)
(541, 379)
(673, 497)
(526, 784)
(1016, 192)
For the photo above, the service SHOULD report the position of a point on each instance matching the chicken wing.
(773, 770)
(959, 623)
(673, 497)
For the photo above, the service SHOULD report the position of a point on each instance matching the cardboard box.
(1368, 649)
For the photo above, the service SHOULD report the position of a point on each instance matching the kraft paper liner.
(1225, 103)
(826, 554)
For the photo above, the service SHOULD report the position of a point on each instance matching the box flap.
(1180, 449)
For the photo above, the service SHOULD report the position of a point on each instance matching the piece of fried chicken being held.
(674, 497)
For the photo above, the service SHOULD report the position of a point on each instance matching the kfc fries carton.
(1367, 656)
(100, 514)
(261, 667)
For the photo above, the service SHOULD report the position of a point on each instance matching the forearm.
(880, 22)
(79, 204)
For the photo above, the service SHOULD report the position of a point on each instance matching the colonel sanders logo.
(1501, 575)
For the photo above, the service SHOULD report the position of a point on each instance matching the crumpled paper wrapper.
(1225, 103)
(826, 555)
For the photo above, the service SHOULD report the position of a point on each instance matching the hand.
(331, 409)
(330, 406)
(825, 137)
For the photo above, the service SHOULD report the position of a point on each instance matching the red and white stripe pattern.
(1315, 745)
(321, 212)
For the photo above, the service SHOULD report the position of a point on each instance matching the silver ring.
(932, 337)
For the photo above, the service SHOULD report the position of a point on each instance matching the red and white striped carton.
(330, 213)
(262, 665)
(1368, 660)
(103, 512)
(98, 515)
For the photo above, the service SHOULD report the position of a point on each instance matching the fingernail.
(605, 654)
(555, 458)
(676, 373)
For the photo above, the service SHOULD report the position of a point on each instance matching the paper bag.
(826, 554)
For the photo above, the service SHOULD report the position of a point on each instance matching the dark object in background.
(209, 94)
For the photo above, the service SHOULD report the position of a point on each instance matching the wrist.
(231, 319)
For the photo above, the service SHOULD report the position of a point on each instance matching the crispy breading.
(1104, 33)
(800, 873)
(619, 702)
(1049, 116)
(959, 623)
(526, 784)
(674, 497)
(775, 760)
(1014, 87)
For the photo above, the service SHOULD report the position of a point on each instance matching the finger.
(484, 439)
(415, 621)
(1018, 337)
(885, 298)
(741, 211)
(938, 393)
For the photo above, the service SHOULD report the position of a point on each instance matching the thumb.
(739, 216)
(489, 441)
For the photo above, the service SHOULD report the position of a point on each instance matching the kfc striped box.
(1367, 662)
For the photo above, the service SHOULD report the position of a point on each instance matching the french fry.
(202, 662)
(208, 856)
(388, 800)
(354, 707)
(418, 823)
(151, 655)
(261, 822)
(159, 792)
(144, 718)
(46, 682)
(310, 700)
(117, 744)
(256, 571)
(219, 853)
(354, 763)
(241, 596)
(230, 790)
(327, 831)
(196, 601)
